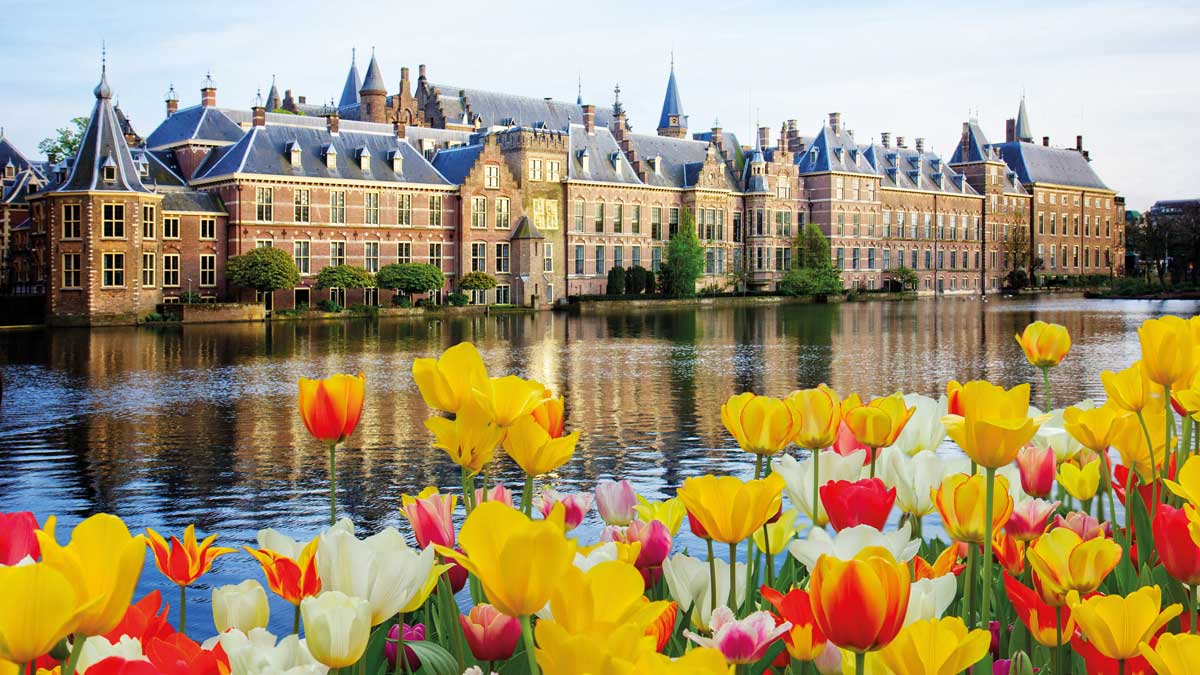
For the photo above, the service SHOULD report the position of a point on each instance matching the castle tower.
(1024, 133)
(672, 122)
(372, 96)
(352, 86)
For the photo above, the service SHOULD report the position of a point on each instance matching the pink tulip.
(744, 641)
(1037, 470)
(615, 500)
(845, 443)
(1029, 518)
(577, 505)
(655, 539)
(413, 633)
(1084, 525)
(17, 538)
(431, 515)
(497, 493)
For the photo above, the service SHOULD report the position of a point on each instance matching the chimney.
(1010, 130)
(964, 143)
(900, 142)
(403, 79)
(208, 92)
(260, 115)
(398, 128)
(886, 139)
(1046, 141)
(783, 136)
(1079, 143)
(718, 136)
(172, 101)
(920, 146)
(835, 122)
(332, 122)
(421, 74)
(302, 100)
(589, 118)
(764, 137)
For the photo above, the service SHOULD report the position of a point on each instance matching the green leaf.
(435, 660)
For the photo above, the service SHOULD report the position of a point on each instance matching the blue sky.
(1119, 73)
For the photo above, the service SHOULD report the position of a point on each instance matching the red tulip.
(1037, 470)
(1150, 493)
(804, 639)
(1039, 618)
(864, 502)
(143, 621)
(663, 627)
(492, 636)
(1179, 554)
(331, 407)
(115, 665)
(1099, 664)
(180, 655)
(17, 538)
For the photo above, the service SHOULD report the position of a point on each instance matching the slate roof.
(1041, 164)
(831, 151)
(527, 230)
(265, 151)
(455, 163)
(196, 123)
(606, 162)
(1024, 133)
(191, 201)
(26, 182)
(911, 170)
(754, 183)
(671, 104)
(103, 145)
(498, 108)
(731, 142)
(682, 160)
(353, 84)
(975, 149)
(10, 153)
(374, 79)
(161, 169)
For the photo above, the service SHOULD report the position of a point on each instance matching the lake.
(172, 426)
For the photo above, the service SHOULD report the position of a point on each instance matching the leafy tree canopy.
(410, 278)
(685, 257)
(344, 276)
(65, 141)
(477, 281)
(263, 269)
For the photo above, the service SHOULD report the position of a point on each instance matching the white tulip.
(606, 552)
(1053, 432)
(243, 606)
(798, 477)
(382, 569)
(929, 598)
(914, 477)
(336, 627)
(257, 653)
(97, 648)
(924, 430)
(690, 584)
(847, 544)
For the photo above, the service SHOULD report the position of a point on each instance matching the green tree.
(616, 281)
(685, 258)
(812, 248)
(476, 281)
(635, 280)
(811, 281)
(410, 278)
(265, 270)
(906, 277)
(344, 276)
(65, 141)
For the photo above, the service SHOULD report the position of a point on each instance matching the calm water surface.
(199, 425)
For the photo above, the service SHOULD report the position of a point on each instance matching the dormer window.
(144, 169)
(657, 164)
(364, 159)
(294, 153)
(837, 152)
(330, 156)
(110, 173)
(584, 160)
(397, 161)
(10, 170)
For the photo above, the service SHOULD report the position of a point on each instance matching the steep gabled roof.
(833, 151)
(103, 145)
(10, 154)
(908, 169)
(353, 84)
(195, 124)
(606, 162)
(1041, 164)
(671, 103)
(455, 163)
(503, 109)
(26, 182)
(682, 160)
(975, 147)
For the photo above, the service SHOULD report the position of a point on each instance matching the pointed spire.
(103, 90)
(374, 80)
(617, 107)
(579, 91)
(672, 116)
(1024, 133)
(353, 83)
(273, 100)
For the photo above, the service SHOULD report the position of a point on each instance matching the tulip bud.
(61, 651)
(336, 627)
(1037, 466)
(1020, 664)
(490, 635)
(576, 505)
(411, 633)
(242, 606)
(615, 500)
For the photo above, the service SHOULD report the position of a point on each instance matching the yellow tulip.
(730, 509)
(697, 661)
(669, 512)
(1172, 654)
(422, 595)
(1093, 427)
(818, 413)
(1045, 344)
(1131, 389)
(498, 543)
(936, 646)
(1081, 484)
(40, 607)
(1117, 625)
(994, 424)
(1189, 399)
(103, 563)
(448, 382)
(469, 439)
(961, 500)
(879, 422)
(1168, 350)
(534, 450)
(336, 627)
(763, 425)
(605, 597)
(1129, 440)
(1063, 562)
(779, 533)
(615, 652)
(1188, 484)
(504, 400)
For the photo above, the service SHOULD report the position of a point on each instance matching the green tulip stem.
(296, 621)
(73, 659)
(183, 610)
(731, 601)
(712, 572)
(527, 496)
(1129, 508)
(1046, 382)
(1109, 489)
(985, 587)
(449, 608)
(757, 466)
(816, 458)
(1169, 430)
(1153, 461)
(401, 659)
(468, 488)
(483, 492)
(527, 636)
(969, 586)
(332, 485)
(1059, 640)
(1121, 667)
(770, 572)
(1191, 595)
(860, 663)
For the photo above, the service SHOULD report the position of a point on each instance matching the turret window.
(110, 173)
(70, 221)
(113, 222)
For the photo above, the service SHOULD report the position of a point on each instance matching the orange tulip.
(292, 580)
(945, 563)
(331, 407)
(184, 562)
(962, 501)
(664, 625)
(1010, 552)
(859, 604)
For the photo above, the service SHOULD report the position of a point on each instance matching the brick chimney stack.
(208, 92)
(835, 122)
(589, 118)
(1079, 142)
(260, 114)
(718, 136)
(900, 142)
(398, 128)
(885, 138)
(333, 122)
(764, 137)
(172, 101)
(920, 146)
(1010, 130)
(1046, 141)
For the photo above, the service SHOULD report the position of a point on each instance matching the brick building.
(544, 195)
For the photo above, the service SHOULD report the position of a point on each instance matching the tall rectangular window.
(148, 276)
(337, 253)
(600, 269)
(502, 213)
(579, 259)
(535, 169)
(479, 257)
(579, 209)
(598, 219)
(435, 254)
(301, 252)
(170, 270)
(113, 270)
(435, 210)
(337, 207)
(635, 219)
(71, 276)
(208, 270)
(149, 220)
(491, 176)
(70, 221)
(264, 204)
(113, 222)
(404, 210)
(371, 208)
(501, 257)
(619, 256)
(478, 212)
(170, 228)
(371, 256)
(672, 222)
(656, 222)
(553, 171)
(300, 205)
(547, 257)
(404, 252)
(208, 227)
(655, 259)
(618, 217)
